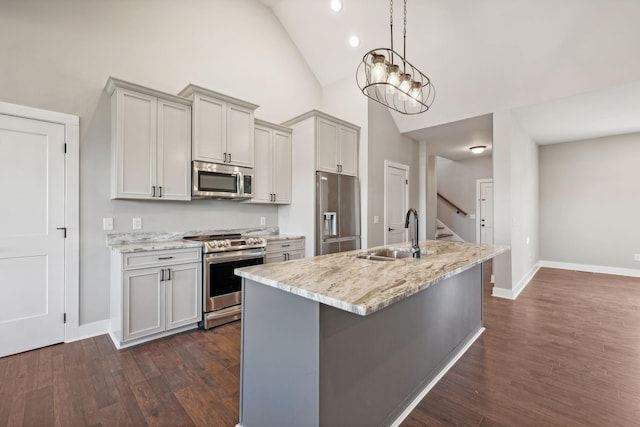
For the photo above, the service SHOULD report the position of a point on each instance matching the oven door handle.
(231, 258)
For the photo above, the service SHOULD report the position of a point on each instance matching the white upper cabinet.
(336, 146)
(150, 143)
(272, 170)
(223, 129)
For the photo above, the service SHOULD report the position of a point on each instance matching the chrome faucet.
(415, 249)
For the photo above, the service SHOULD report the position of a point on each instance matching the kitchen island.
(352, 339)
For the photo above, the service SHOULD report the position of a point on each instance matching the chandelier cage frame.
(388, 78)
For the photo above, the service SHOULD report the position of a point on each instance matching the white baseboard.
(148, 338)
(435, 380)
(90, 330)
(513, 293)
(630, 272)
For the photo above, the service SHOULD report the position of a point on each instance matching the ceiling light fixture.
(354, 41)
(388, 78)
(477, 149)
(336, 5)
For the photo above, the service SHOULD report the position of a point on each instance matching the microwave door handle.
(240, 183)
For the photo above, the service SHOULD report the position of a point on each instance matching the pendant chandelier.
(388, 78)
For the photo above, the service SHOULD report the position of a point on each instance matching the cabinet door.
(295, 255)
(184, 294)
(348, 151)
(143, 303)
(174, 151)
(262, 170)
(327, 146)
(209, 129)
(275, 257)
(240, 136)
(134, 167)
(282, 166)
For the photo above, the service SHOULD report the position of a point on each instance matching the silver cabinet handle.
(225, 157)
(153, 187)
(168, 274)
(159, 191)
(164, 257)
(162, 275)
(229, 157)
(285, 246)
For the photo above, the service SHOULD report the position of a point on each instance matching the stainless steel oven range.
(222, 292)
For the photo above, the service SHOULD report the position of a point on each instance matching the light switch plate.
(137, 223)
(376, 219)
(107, 224)
(472, 216)
(636, 257)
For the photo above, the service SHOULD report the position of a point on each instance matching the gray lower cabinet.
(154, 293)
(284, 250)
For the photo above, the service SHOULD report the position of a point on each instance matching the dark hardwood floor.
(565, 353)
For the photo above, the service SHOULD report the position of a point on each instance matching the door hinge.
(65, 318)
(65, 148)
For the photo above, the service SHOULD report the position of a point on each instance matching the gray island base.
(308, 363)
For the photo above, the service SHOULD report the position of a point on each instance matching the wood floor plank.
(565, 353)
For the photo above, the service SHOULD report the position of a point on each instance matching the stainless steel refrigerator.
(337, 213)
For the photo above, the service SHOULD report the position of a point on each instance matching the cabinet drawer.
(160, 258)
(285, 245)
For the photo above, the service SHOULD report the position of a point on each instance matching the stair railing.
(458, 209)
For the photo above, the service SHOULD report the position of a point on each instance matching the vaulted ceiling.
(486, 55)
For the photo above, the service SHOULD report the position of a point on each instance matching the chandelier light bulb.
(415, 93)
(336, 5)
(378, 72)
(393, 78)
(405, 86)
(354, 41)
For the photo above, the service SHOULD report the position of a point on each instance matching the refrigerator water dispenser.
(330, 224)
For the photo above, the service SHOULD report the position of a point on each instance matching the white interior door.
(32, 170)
(396, 200)
(486, 212)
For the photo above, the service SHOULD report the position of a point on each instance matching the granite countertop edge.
(403, 277)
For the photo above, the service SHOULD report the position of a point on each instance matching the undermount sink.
(390, 254)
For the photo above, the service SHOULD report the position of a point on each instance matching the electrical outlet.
(636, 257)
(137, 223)
(107, 224)
(263, 220)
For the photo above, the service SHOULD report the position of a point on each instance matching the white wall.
(457, 182)
(589, 201)
(386, 143)
(58, 56)
(515, 185)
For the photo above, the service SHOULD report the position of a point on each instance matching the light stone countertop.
(280, 237)
(363, 286)
(155, 246)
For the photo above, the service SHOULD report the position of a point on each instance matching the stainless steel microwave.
(214, 180)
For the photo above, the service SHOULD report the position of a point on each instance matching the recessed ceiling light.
(354, 41)
(477, 149)
(336, 5)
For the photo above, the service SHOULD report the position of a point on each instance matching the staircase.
(445, 233)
